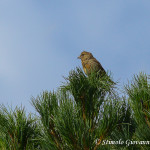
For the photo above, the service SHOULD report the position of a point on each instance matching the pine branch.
(56, 136)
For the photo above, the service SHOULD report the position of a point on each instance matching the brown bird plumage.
(90, 63)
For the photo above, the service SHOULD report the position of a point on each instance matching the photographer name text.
(127, 142)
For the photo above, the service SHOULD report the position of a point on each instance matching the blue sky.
(40, 42)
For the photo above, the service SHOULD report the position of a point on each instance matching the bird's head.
(85, 55)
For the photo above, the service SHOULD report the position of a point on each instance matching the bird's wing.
(95, 65)
(86, 67)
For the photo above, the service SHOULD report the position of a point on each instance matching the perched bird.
(90, 63)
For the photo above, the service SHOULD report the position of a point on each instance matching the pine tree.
(81, 114)
(85, 113)
(139, 99)
(17, 131)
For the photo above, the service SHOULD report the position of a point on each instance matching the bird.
(90, 63)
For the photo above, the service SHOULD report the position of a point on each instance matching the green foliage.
(18, 132)
(81, 114)
(47, 105)
(88, 92)
(139, 99)
(139, 96)
(84, 114)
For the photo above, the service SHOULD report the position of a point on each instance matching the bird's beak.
(79, 57)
